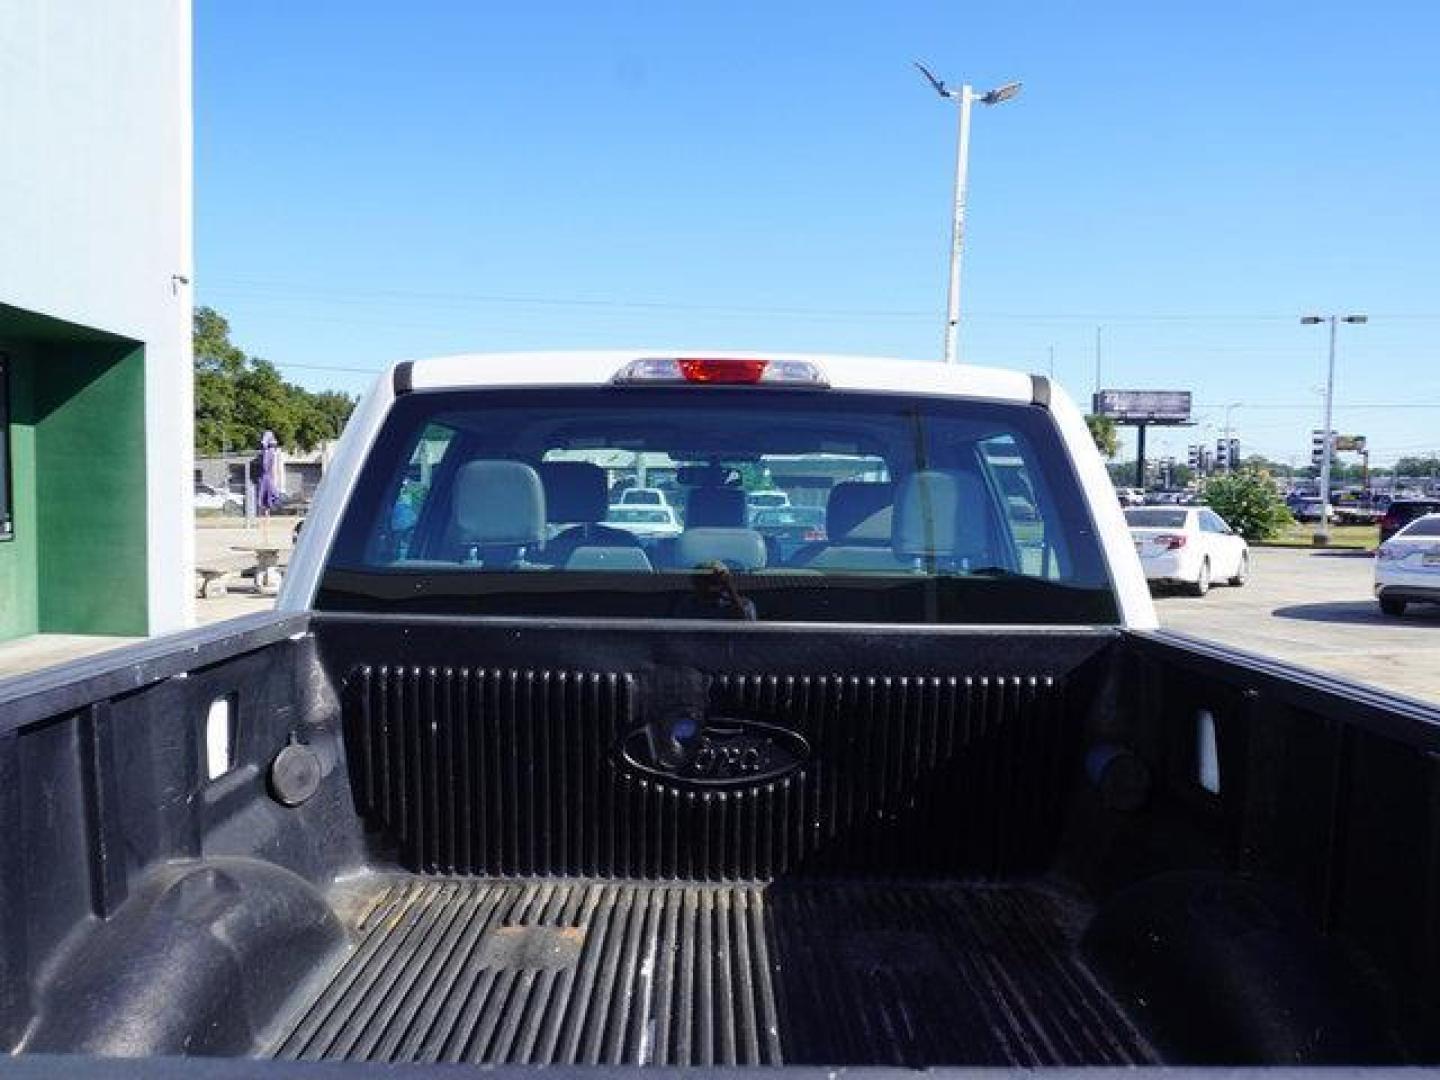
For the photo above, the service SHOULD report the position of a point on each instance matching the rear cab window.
(1156, 519)
(912, 509)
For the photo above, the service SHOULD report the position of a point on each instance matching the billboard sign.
(1144, 406)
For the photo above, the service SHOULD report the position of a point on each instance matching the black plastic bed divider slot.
(511, 772)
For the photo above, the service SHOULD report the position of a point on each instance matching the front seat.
(941, 521)
(576, 494)
(858, 522)
(498, 513)
(715, 508)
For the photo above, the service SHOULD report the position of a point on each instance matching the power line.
(1348, 406)
(325, 367)
(302, 290)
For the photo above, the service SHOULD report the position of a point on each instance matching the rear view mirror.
(707, 476)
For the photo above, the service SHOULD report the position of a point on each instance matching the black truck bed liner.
(571, 971)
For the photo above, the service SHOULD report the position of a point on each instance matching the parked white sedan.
(1407, 566)
(1189, 545)
(646, 522)
(208, 497)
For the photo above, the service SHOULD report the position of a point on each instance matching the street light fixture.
(1327, 446)
(1000, 93)
(964, 98)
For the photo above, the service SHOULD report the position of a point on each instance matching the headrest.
(940, 514)
(859, 510)
(739, 549)
(575, 491)
(499, 503)
(716, 507)
(608, 558)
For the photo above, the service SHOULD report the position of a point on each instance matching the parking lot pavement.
(1317, 609)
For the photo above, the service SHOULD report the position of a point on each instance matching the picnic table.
(267, 565)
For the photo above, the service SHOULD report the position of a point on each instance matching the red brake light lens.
(722, 371)
(1171, 541)
(716, 370)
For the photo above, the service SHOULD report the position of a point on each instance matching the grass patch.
(1349, 537)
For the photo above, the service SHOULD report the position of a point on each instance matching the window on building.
(7, 520)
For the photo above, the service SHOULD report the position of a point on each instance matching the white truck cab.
(940, 510)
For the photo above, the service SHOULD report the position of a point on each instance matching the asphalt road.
(1316, 608)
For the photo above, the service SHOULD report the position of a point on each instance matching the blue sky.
(377, 181)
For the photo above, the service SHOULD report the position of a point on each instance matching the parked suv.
(1403, 511)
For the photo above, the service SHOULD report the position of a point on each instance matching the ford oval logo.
(714, 752)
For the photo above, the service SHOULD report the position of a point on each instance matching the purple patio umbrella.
(267, 491)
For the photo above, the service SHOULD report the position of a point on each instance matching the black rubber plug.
(294, 775)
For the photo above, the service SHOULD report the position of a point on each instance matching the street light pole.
(1327, 455)
(1327, 446)
(964, 98)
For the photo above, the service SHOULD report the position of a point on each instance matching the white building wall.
(95, 218)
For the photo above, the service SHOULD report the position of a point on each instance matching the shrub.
(1249, 502)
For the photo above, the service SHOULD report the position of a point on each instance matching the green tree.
(1105, 434)
(263, 400)
(218, 363)
(238, 396)
(1249, 501)
(1263, 464)
(1428, 465)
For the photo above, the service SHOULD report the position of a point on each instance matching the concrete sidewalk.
(27, 654)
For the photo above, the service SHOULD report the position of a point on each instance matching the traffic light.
(1192, 458)
(1234, 454)
(1222, 455)
(1317, 446)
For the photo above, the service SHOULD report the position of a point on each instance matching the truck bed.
(586, 972)
(453, 840)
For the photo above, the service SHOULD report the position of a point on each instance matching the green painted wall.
(89, 406)
(19, 567)
(77, 442)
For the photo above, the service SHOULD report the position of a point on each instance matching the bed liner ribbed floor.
(623, 973)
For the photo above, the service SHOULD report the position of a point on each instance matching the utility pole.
(964, 98)
(1327, 450)
(1052, 363)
